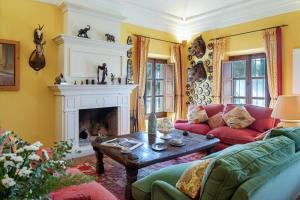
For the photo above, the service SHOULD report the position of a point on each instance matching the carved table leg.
(131, 178)
(209, 150)
(99, 164)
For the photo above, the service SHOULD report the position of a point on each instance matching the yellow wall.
(238, 44)
(30, 111)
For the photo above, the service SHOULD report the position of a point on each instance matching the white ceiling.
(187, 17)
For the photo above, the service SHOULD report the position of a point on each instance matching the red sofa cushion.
(93, 190)
(183, 125)
(263, 119)
(213, 109)
(202, 128)
(234, 136)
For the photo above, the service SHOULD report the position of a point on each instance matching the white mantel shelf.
(91, 89)
(63, 38)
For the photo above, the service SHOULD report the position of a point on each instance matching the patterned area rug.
(114, 178)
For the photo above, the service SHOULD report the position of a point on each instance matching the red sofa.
(229, 136)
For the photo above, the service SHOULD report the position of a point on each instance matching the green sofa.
(267, 169)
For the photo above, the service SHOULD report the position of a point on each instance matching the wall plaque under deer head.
(37, 58)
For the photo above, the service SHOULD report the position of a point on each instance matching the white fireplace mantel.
(69, 90)
(70, 99)
(80, 57)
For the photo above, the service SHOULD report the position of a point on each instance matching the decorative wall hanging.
(198, 90)
(9, 65)
(129, 40)
(83, 32)
(198, 47)
(129, 53)
(37, 58)
(110, 38)
(129, 77)
(199, 72)
(210, 46)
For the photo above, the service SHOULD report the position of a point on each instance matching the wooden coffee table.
(147, 156)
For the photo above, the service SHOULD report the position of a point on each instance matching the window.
(244, 80)
(159, 87)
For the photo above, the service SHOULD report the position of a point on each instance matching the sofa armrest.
(181, 121)
(162, 190)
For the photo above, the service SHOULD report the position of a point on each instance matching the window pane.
(148, 105)
(159, 104)
(149, 88)
(258, 87)
(239, 88)
(149, 70)
(159, 70)
(239, 101)
(239, 69)
(159, 87)
(258, 67)
(259, 102)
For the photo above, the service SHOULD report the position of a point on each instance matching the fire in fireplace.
(97, 122)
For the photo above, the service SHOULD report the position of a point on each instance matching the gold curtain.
(270, 39)
(142, 55)
(176, 59)
(218, 56)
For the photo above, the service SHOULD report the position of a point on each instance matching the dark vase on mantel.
(152, 123)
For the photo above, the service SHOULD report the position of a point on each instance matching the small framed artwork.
(9, 65)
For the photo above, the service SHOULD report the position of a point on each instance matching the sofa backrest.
(213, 109)
(282, 181)
(227, 172)
(262, 115)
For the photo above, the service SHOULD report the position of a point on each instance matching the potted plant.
(28, 172)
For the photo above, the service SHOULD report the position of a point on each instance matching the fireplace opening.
(97, 122)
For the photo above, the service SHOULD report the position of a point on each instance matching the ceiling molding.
(240, 14)
(228, 15)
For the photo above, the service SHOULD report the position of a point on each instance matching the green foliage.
(26, 175)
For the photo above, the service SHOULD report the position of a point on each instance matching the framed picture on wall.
(9, 65)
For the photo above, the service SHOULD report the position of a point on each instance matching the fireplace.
(97, 122)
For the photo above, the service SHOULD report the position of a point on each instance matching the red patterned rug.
(114, 178)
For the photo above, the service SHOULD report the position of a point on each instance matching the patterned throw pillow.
(190, 181)
(197, 114)
(216, 121)
(238, 118)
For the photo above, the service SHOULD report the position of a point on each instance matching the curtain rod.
(227, 36)
(157, 39)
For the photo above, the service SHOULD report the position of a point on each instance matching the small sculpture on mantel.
(112, 78)
(103, 68)
(109, 37)
(83, 32)
(60, 79)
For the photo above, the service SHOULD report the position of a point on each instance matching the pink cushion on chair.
(263, 119)
(213, 109)
(234, 136)
(93, 190)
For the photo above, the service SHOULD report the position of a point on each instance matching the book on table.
(122, 143)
